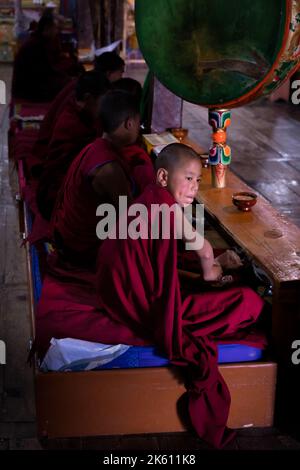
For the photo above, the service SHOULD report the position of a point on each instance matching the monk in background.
(40, 70)
(100, 174)
(111, 66)
(76, 126)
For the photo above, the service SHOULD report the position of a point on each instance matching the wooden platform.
(139, 401)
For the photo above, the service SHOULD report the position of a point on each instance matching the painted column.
(220, 152)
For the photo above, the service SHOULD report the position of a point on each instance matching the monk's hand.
(229, 260)
(214, 274)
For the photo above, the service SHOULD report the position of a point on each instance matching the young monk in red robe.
(139, 289)
(76, 126)
(100, 174)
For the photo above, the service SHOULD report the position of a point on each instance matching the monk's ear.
(162, 177)
(128, 123)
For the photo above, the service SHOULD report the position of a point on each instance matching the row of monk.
(128, 290)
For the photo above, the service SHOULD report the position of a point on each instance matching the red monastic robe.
(39, 151)
(141, 168)
(73, 130)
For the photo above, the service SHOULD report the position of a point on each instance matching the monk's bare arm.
(211, 270)
(110, 179)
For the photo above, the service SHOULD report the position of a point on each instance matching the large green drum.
(219, 53)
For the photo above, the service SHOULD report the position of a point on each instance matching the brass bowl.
(179, 132)
(204, 160)
(244, 200)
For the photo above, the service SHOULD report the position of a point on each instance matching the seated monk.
(76, 126)
(39, 150)
(37, 72)
(135, 156)
(139, 289)
(108, 64)
(100, 174)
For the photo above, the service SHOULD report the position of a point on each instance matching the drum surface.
(219, 53)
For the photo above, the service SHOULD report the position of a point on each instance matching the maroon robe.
(74, 129)
(138, 288)
(39, 150)
(74, 217)
(140, 164)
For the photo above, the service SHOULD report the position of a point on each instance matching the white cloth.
(67, 353)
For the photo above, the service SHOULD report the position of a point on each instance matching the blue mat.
(143, 357)
(138, 356)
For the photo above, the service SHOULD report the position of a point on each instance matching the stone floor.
(265, 145)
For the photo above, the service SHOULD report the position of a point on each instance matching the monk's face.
(132, 126)
(183, 181)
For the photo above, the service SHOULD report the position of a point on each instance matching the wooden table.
(274, 243)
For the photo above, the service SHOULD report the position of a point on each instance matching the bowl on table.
(180, 133)
(204, 160)
(244, 200)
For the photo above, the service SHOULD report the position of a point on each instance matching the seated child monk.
(99, 174)
(138, 288)
(76, 126)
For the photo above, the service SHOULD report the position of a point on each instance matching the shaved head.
(174, 155)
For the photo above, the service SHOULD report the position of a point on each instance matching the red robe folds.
(138, 288)
(39, 151)
(73, 130)
(141, 168)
